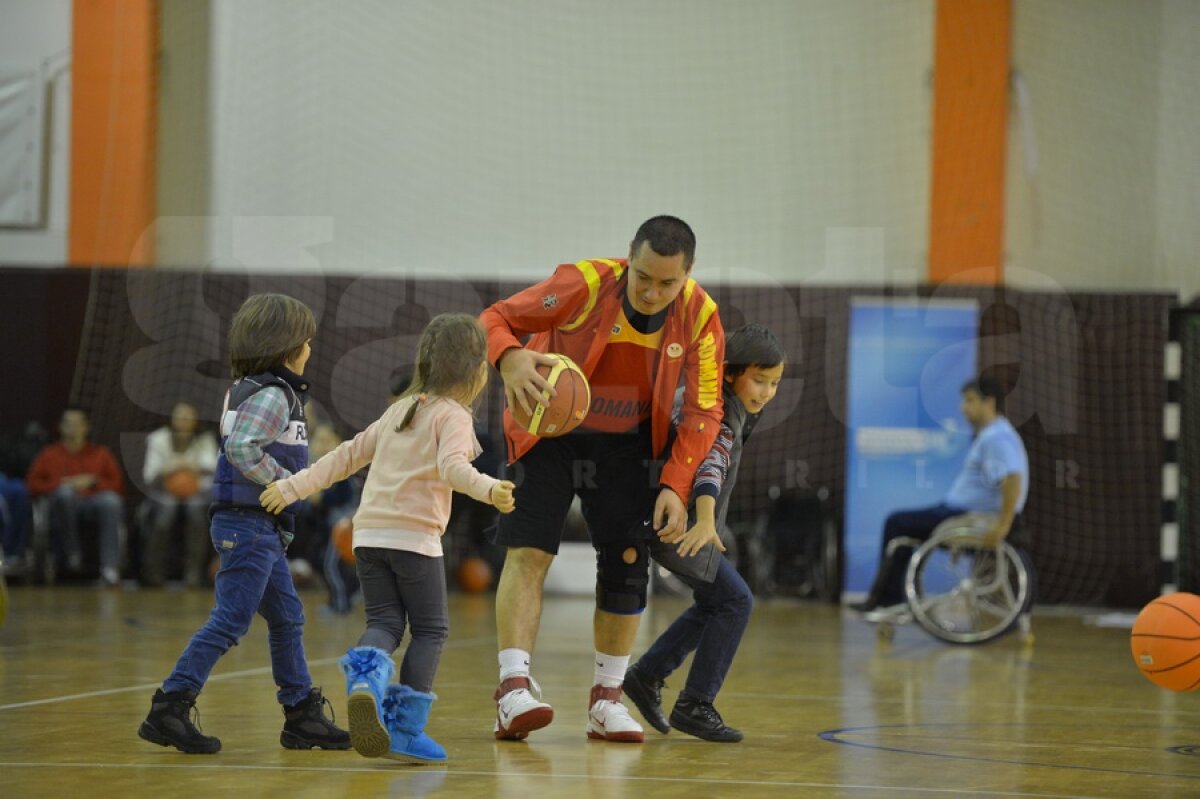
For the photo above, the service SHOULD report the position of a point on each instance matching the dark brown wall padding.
(1085, 370)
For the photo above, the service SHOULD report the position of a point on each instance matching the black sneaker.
(170, 724)
(646, 694)
(308, 728)
(702, 720)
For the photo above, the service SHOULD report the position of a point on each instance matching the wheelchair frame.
(990, 588)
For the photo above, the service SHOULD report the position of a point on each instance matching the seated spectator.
(16, 453)
(83, 483)
(178, 472)
(315, 523)
(14, 522)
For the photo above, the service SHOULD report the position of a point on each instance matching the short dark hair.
(667, 235)
(268, 331)
(986, 388)
(752, 345)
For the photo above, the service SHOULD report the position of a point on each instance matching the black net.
(1085, 372)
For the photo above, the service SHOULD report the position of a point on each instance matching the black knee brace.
(622, 576)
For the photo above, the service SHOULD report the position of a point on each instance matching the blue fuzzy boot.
(368, 671)
(406, 712)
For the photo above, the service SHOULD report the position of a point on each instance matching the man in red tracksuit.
(636, 327)
(83, 482)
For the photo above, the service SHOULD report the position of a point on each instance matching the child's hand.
(272, 498)
(502, 496)
(697, 538)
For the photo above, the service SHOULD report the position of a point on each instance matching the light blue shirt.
(996, 452)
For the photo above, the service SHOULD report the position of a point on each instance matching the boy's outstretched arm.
(706, 487)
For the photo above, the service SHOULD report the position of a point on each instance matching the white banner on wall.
(20, 151)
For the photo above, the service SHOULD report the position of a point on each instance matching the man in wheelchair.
(994, 480)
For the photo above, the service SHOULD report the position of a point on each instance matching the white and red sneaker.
(519, 709)
(609, 720)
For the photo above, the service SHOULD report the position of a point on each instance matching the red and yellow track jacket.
(572, 311)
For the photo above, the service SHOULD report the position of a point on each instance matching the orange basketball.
(342, 538)
(565, 412)
(182, 483)
(474, 576)
(1166, 642)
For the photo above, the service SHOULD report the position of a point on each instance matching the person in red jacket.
(83, 482)
(637, 327)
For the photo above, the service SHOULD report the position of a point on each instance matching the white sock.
(513, 663)
(610, 670)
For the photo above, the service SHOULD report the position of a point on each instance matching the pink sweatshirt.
(406, 499)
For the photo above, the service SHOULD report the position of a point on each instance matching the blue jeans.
(68, 508)
(14, 516)
(712, 626)
(253, 578)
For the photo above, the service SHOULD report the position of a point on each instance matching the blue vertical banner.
(907, 438)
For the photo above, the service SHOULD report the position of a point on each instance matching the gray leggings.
(400, 588)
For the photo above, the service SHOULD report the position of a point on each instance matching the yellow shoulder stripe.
(706, 312)
(592, 278)
(616, 268)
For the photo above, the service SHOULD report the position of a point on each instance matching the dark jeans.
(253, 578)
(164, 533)
(68, 508)
(919, 523)
(14, 516)
(712, 627)
(401, 589)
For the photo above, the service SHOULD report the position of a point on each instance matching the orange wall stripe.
(970, 112)
(114, 44)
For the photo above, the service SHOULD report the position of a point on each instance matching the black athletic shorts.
(614, 474)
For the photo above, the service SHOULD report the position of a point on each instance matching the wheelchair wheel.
(963, 593)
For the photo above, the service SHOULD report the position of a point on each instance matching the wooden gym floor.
(827, 709)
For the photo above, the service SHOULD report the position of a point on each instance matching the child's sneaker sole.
(368, 736)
